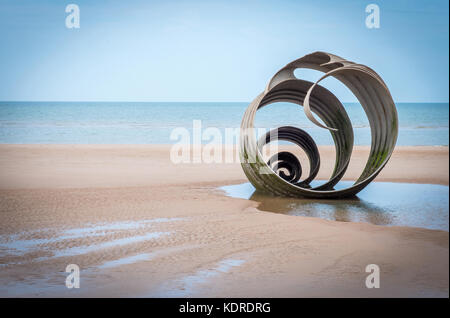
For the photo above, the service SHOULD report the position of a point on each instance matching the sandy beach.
(138, 225)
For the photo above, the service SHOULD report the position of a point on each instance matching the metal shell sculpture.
(371, 92)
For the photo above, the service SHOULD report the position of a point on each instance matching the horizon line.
(124, 101)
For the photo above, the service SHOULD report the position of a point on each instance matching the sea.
(155, 122)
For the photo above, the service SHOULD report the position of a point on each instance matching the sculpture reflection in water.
(344, 210)
(383, 203)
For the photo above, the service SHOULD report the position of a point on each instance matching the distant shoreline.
(157, 122)
(196, 102)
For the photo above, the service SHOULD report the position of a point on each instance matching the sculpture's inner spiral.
(289, 161)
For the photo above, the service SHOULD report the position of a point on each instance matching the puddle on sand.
(191, 283)
(19, 244)
(127, 260)
(103, 228)
(78, 250)
(381, 203)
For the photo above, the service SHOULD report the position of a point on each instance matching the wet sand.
(138, 225)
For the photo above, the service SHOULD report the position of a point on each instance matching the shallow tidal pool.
(381, 203)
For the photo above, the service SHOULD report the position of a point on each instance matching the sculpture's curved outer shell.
(371, 92)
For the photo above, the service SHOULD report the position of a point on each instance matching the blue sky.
(213, 50)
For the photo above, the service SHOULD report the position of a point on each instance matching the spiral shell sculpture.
(371, 92)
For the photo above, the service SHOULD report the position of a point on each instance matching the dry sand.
(138, 225)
